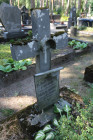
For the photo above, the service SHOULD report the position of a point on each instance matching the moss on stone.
(57, 34)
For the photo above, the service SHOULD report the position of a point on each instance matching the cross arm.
(20, 52)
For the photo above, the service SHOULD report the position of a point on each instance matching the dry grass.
(10, 130)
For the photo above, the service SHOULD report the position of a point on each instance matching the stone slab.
(10, 17)
(20, 52)
(12, 35)
(40, 23)
(61, 41)
(47, 88)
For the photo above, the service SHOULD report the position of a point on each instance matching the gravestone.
(46, 80)
(88, 75)
(26, 19)
(10, 17)
(47, 87)
(73, 18)
(61, 41)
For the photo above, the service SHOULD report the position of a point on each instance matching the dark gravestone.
(88, 75)
(47, 88)
(73, 18)
(26, 19)
(10, 17)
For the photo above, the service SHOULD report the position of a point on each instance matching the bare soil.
(21, 94)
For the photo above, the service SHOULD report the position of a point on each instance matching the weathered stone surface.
(20, 52)
(40, 23)
(73, 31)
(88, 75)
(61, 41)
(47, 88)
(10, 17)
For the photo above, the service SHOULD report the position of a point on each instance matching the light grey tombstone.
(61, 41)
(10, 17)
(47, 88)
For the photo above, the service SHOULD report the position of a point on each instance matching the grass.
(7, 112)
(5, 52)
(87, 29)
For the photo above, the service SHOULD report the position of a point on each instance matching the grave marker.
(46, 81)
(10, 17)
(73, 18)
(47, 87)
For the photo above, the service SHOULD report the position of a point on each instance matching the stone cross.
(42, 43)
(46, 80)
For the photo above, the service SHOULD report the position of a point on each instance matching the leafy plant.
(80, 46)
(30, 33)
(77, 45)
(11, 65)
(70, 127)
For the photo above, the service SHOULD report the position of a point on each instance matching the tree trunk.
(32, 4)
(42, 3)
(46, 3)
(68, 4)
(18, 3)
(85, 9)
(75, 3)
(79, 5)
(38, 3)
(10, 2)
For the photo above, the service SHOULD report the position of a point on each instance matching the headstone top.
(10, 17)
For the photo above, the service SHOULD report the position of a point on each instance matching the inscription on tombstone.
(47, 87)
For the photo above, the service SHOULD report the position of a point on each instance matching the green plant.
(82, 28)
(77, 45)
(69, 127)
(48, 133)
(80, 46)
(11, 65)
(64, 18)
(7, 111)
(30, 33)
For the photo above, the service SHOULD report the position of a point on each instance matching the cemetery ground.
(22, 94)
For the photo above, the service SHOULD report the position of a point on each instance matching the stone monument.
(46, 80)
(73, 18)
(10, 17)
